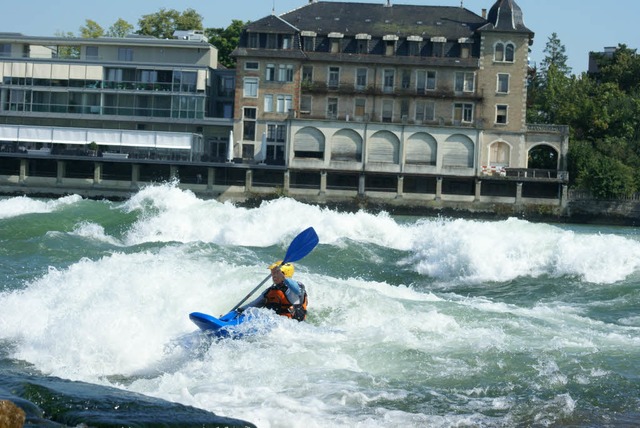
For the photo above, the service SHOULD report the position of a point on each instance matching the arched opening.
(543, 157)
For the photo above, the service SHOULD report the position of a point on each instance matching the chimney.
(484, 13)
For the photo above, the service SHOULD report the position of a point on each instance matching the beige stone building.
(428, 100)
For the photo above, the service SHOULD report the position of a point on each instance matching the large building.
(382, 96)
(137, 97)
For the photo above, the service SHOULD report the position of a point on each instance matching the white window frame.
(333, 71)
(270, 72)
(250, 87)
(503, 83)
(466, 112)
(502, 108)
(388, 76)
(268, 103)
(464, 81)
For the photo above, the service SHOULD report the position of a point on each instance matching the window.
(276, 133)
(272, 41)
(462, 113)
(251, 87)
(361, 78)
(414, 48)
(307, 73)
(425, 111)
(284, 103)
(287, 41)
(362, 46)
(276, 137)
(388, 80)
(465, 51)
(360, 106)
(504, 52)
(254, 40)
(5, 50)
(509, 53)
(251, 65)
(285, 73)
(387, 110)
(305, 104)
(438, 49)
(270, 73)
(404, 109)
(501, 114)
(268, 103)
(125, 54)
(390, 47)
(335, 45)
(332, 108)
(91, 52)
(503, 83)
(464, 82)
(249, 124)
(425, 81)
(309, 43)
(334, 77)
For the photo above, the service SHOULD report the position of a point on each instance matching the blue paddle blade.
(301, 245)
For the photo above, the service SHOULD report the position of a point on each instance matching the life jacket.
(276, 300)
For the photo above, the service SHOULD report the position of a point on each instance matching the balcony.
(321, 87)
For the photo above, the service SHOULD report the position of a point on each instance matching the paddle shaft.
(249, 295)
(301, 245)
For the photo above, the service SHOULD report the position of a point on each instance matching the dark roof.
(506, 15)
(271, 24)
(377, 20)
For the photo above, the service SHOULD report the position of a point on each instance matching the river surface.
(413, 321)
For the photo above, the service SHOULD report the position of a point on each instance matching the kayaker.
(286, 296)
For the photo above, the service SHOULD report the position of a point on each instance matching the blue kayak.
(224, 326)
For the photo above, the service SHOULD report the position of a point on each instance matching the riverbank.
(583, 211)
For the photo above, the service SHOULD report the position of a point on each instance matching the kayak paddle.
(301, 245)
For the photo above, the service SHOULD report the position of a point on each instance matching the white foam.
(21, 205)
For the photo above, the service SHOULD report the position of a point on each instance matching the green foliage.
(163, 23)
(603, 112)
(120, 28)
(91, 30)
(226, 40)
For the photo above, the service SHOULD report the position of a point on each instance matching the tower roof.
(506, 15)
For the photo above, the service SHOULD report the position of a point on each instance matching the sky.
(581, 25)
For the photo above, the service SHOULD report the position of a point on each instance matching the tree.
(549, 85)
(226, 40)
(555, 57)
(120, 28)
(91, 30)
(623, 68)
(164, 23)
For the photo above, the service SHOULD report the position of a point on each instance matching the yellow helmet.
(287, 268)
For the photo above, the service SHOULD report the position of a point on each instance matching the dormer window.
(272, 41)
(415, 43)
(465, 47)
(390, 44)
(287, 41)
(335, 38)
(362, 43)
(254, 40)
(438, 46)
(308, 41)
(504, 52)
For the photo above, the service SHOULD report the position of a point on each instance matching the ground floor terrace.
(110, 178)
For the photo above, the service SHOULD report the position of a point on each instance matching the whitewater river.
(413, 322)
